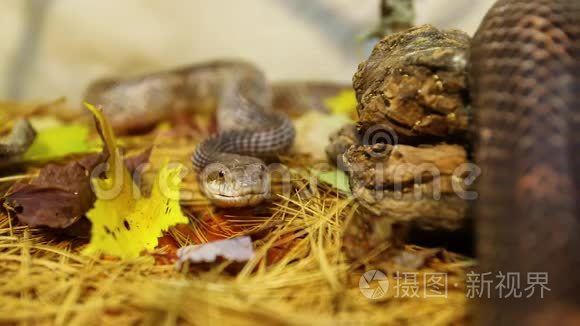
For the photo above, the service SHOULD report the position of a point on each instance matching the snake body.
(526, 98)
(231, 170)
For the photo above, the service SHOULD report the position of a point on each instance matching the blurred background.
(53, 48)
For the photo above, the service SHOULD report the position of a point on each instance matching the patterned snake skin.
(232, 173)
(526, 98)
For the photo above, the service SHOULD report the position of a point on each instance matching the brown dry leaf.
(166, 250)
(58, 197)
(61, 194)
(281, 248)
(209, 227)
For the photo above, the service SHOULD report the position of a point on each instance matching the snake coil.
(525, 88)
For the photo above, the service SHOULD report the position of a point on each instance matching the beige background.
(290, 39)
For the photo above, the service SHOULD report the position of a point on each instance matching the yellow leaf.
(124, 224)
(343, 104)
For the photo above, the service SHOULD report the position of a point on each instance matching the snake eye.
(221, 174)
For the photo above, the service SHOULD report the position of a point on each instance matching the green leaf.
(336, 178)
(58, 141)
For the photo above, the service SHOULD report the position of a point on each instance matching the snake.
(231, 164)
(525, 89)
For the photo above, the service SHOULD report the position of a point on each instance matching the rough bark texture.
(414, 83)
(398, 185)
(412, 95)
(340, 141)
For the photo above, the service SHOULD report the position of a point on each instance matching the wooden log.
(402, 185)
(415, 84)
(407, 165)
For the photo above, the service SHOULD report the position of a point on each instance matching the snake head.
(236, 181)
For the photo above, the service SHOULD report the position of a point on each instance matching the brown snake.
(230, 163)
(526, 99)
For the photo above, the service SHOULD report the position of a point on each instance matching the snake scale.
(526, 99)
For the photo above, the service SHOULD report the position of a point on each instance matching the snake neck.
(265, 144)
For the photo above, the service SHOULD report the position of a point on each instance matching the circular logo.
(373, 284)
(379, 134)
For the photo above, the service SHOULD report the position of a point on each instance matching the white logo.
(369, 288)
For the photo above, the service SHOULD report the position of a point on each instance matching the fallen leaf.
(343, 104)
(58, 141)
(281, 248)
(124, 223)
(313, 131)
(166, 251)
(237, 249)
(208, 226)
(336, 178)
(135, 162)
(57, 197)
(61, 193)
